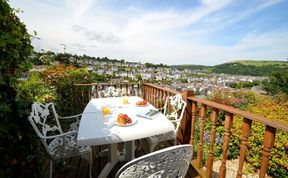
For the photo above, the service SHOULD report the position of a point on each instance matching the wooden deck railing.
(155, 93)
(83, 92)
(197, 109)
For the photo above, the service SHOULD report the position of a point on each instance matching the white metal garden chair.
(170, 162)
(57, 143)
(174, 110)
(112, 92)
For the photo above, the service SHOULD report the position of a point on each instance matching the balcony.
(199, 112)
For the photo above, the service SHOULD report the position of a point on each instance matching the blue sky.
(206, 32)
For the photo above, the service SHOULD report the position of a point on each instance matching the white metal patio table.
(96, 129)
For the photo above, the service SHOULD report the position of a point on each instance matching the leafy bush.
(18, 151)
(62, 78)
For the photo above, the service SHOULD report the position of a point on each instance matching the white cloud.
(79, 7)
(168, 36)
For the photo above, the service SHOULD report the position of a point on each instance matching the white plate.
(134, 121)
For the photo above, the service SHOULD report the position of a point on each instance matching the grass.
(261, 62)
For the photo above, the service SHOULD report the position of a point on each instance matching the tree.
(15, 49)
(277, 83)
(138, 77)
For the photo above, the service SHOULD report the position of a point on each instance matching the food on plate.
(141, 103)
(123, 119)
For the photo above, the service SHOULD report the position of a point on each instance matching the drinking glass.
(106, 110)
(125, 101)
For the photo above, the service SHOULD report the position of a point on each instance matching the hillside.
(250, 67)
(242, 67)
(260, 62)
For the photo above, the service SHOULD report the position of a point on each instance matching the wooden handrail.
(253, 117)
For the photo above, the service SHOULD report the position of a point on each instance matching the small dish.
(134, 121)
(142, 105)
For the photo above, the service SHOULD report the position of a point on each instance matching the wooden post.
(228, 125)
(209, 165)
(268, 143)
(185, 126)
(193, 119)
(200, 146)
(246, 128)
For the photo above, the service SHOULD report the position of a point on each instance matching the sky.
(206, 32)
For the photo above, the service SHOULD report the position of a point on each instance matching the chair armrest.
(68, 117)
(59, 135)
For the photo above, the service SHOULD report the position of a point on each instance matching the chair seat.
(162, 137)
(169, 162)
(60, 149)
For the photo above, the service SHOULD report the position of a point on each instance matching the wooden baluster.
(200, 146)
(246, 128)
(148, 93)
(210, 159)
(138, 90)
(194, 115)
(127, 88)
(147, 90)
(89, 94)
(82, 94)
(144, 93)
(133, 90)
(152, 99)
(228, 125)
(161, 99)
(96, 91)
(140, 94)
(157, 98)
(168, 104)
(154, 96)
(268, 143)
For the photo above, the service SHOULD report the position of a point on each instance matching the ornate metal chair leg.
(51, 168)
(90, 164)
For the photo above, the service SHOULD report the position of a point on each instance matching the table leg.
(112, 160)
(130, 150)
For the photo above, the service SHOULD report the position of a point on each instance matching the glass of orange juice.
(125, 101)
(106, 110)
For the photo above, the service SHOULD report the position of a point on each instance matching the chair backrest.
(174, 109)
(44, 120)
(169, 162)
(111, 92)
